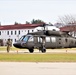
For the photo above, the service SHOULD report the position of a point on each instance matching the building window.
(15, 32)
(0, 32)
(15, 40)
(7, 32)
(32, 30)
(11, 32)
(19, 31)
(28, 31)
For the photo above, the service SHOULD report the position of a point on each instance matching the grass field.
(37, 57)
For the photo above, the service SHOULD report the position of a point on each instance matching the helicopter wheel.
(43, 50)
(31, 50)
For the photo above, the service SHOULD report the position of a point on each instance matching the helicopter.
(45, 39)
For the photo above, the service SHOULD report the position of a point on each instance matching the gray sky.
(26, 10)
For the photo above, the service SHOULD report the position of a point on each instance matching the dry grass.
(64, 57)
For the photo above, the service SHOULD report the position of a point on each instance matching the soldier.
(9, 44)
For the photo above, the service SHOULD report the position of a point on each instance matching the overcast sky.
(26, 10)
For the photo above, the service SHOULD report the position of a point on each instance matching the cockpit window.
(25, 38)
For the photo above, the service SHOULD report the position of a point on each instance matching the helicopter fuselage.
(41, 42)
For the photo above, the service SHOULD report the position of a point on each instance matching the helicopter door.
(53, 42)
(39, 41)
(35, 40)
(42, 42)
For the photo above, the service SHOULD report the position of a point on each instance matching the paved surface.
(26, 68)
(37, 51)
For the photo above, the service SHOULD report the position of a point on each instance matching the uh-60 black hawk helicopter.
(45, 39)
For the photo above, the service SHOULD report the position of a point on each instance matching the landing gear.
(43, 50)
(31, 50)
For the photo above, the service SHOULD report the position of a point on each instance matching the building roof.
(68, 28)
(19, 26)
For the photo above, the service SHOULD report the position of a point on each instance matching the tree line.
(62, 20)
(38, 21)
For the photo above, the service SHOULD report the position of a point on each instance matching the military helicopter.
(45, 39)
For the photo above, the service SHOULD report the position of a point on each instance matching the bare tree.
(67, 19)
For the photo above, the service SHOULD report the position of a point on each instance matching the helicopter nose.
(17, 45)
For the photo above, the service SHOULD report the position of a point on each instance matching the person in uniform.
(9, 44)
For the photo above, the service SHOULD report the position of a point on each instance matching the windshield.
(25, 38)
